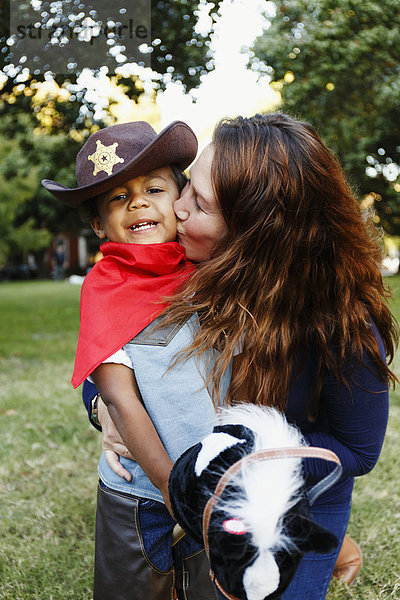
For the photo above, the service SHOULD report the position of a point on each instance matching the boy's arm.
(118, 389)
(99, 417)
(113, 445)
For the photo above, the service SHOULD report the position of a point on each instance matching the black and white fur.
(261, 526)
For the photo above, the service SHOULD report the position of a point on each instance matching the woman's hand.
(112, 443)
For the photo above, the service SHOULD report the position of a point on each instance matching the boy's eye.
(118, 197)
(154, 190)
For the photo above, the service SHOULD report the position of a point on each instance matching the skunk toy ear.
(307, 535)
(320, 539)
(184, 493)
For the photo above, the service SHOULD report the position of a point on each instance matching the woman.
(290, 286)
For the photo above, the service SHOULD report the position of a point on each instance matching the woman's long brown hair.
(297, 270)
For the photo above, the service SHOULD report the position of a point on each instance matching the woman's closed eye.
(196, 204)
(195, 199)
(189, 194)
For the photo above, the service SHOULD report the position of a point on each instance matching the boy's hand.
(112, 443)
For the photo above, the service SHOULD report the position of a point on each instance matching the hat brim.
(175, 145)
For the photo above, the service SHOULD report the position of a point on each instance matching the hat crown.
(108, 150)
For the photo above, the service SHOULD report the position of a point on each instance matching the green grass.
(48, 460)
(48, 453)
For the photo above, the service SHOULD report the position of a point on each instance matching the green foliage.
(176, 49)
(182, 52)
(18, 180)
(54, 156)
(40, 135)
(338, 64)
(26, 238)
(28, 215)
(68, 60)
(177, 53)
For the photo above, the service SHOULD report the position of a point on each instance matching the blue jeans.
(315, 570)
(156, 526)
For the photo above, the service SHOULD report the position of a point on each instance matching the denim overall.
(176, 399)
(133, 527)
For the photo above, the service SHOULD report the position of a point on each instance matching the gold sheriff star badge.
(105, 158)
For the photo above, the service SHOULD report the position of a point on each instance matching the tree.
(40, 42)
(45, 115)
(65, 37)
(19, 179)
(337, 65)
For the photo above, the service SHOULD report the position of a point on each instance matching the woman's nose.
(180, 208)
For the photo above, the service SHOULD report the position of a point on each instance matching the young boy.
(131, 178)
(128, 178)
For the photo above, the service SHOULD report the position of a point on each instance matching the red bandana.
(121, 296)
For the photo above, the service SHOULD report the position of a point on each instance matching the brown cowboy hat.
(115, 154)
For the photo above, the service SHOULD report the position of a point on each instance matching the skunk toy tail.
(240, 494)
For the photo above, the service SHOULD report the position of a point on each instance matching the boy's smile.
(143, 225)
(139, 211)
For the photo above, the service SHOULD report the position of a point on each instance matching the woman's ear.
(98, 228)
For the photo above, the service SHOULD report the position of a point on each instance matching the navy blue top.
(351, 422)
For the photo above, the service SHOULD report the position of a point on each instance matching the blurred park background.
(334, 63)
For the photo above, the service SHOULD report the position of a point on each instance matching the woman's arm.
(357, 417)
(89, 393)
(118, 389)
(354, 418)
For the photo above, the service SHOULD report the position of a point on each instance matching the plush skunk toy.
(240, 492)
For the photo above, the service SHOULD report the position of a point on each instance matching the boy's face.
(139, 211)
